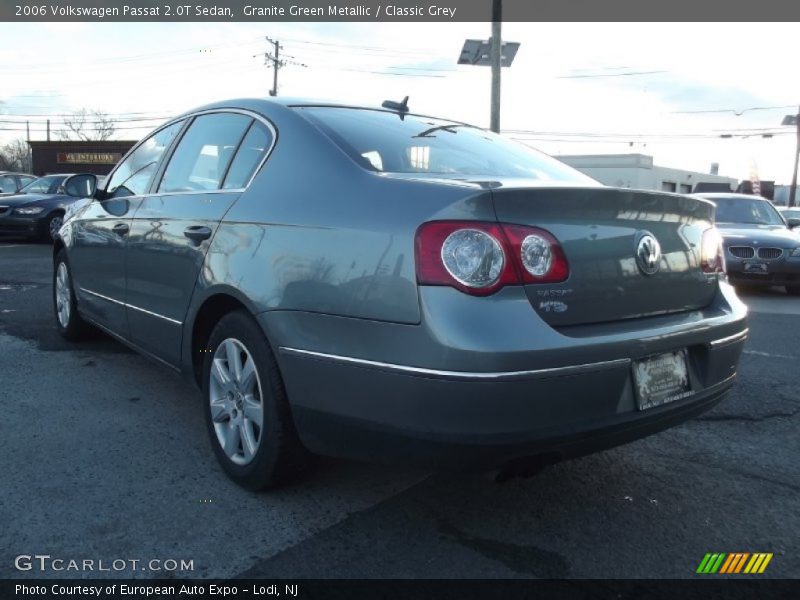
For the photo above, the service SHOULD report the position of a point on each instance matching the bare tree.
(87, 125)
(15, 156)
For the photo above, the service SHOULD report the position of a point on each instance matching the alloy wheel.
(236, 401)
(63, 295)
(55, 225)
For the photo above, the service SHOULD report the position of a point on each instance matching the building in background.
(638, 171)
(77, 157)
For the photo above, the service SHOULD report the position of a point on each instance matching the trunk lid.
(599, 230)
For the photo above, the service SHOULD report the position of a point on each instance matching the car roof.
(289, 102)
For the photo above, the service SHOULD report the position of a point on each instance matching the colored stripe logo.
(734, 562)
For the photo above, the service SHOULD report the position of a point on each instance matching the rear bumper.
(480, 398)
(348, 437)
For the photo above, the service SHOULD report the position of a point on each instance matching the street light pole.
(496, 58)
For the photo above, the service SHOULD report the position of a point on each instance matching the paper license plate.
(661, 379)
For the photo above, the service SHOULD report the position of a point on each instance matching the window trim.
(189, 119)
(136, 146)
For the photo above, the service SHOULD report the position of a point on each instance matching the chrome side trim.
(742, 335)
(101, 296)
(462, 375)
(126, 305)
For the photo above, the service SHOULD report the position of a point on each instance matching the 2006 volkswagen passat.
(372, 283)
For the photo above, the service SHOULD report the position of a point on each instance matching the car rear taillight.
(541, 259)
(712, 258)
(479, 258)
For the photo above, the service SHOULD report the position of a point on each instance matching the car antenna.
(400, 107)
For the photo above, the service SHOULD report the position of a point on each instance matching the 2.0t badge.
(648, 253)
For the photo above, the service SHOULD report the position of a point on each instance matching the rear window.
(383, 141)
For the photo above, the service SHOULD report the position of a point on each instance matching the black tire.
(73, 327)
(793, 290)
(280, 456)
(46, 234)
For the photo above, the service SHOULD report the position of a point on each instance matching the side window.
(41, 186)
(201, 159)
(248, 157)
(8, 183)
(132, 177)
(23, 181)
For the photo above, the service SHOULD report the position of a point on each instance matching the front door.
(98, 253)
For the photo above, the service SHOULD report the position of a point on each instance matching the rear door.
(173, 228)
(100, 234)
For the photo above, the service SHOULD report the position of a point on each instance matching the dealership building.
(97, 157)
(638, 171)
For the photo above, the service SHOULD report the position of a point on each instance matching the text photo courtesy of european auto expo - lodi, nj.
(487, 298)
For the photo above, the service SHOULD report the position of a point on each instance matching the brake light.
(479, 258)
(541, 258)
(712, 257)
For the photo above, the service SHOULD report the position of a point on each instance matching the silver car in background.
(375, 284)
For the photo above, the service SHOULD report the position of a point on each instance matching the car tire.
(793, 290)
(51, 226)
(246, 410)
(68, 321)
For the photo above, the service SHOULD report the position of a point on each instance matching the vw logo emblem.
(648, 253)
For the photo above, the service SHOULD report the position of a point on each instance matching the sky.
(574, 88)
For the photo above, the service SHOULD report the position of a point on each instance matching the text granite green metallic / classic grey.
(375, 284)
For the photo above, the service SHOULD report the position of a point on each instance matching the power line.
(737, 112)
(597, 75)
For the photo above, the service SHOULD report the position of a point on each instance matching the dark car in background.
(761, 246)
(11, 183)
(375, 284)
(37, 210)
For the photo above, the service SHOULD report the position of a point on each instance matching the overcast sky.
(577, 88)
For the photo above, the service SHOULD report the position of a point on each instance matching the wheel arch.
(213, 307)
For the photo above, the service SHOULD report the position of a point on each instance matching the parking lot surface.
(105, 456)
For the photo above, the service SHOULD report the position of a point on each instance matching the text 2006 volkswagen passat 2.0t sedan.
(372, 283)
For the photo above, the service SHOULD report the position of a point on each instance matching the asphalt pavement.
(105, 457)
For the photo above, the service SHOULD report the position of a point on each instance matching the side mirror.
(81, 186)
(793, 222)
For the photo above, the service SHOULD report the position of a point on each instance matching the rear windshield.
(752, 212)
(382, 141)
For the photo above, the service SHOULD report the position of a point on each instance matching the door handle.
(121, 229)
(197, 233)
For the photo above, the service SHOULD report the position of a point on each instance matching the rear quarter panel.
(315, 232)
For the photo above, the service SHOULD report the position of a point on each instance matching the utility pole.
(496, 58)
(491, 53)
(273, 59)
(793, 188)
(48, 130)
(29, 166)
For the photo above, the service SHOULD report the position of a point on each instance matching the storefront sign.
(89, 158)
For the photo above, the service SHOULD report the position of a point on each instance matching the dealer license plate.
(661, 379)
(757, 268)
